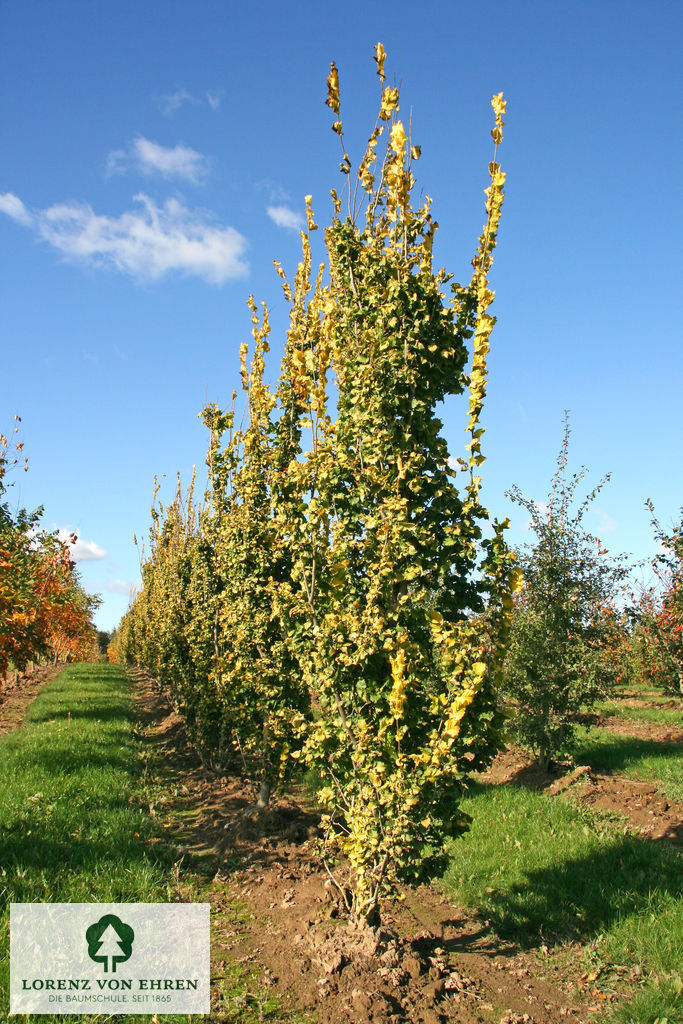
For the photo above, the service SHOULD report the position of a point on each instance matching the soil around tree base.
(431, 962)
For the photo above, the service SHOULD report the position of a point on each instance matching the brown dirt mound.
(643, 730)
(645, 808)
(16, 695)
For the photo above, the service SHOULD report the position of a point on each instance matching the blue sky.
(155, 160)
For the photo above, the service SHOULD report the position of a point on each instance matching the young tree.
(258, 682)
(402, 683)
(359, 613)
(558, 662)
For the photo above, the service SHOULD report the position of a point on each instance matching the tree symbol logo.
(110, 941)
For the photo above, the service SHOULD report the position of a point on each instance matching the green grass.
(543, 870)
(634, 757)
(75, 827)
(654, 715)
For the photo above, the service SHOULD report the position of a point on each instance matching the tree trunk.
(264, 795)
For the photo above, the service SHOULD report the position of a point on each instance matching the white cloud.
(172, 101)
(120, 587)
(14, 208)
(147, 242)
(152, 158)
(286, 218)
(82, 550)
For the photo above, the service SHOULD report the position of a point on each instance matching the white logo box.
(109, 958)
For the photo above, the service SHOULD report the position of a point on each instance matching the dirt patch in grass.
(17, 694)
(431, 962)
(652, 700)
(644, 730)
(646, 809)
(625, 726)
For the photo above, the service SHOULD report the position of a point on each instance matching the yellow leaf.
(389, 103)
(332, 100)
(380, 57)
(499, 106)
(516, 580)
(398, 138)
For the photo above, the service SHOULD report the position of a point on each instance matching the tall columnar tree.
(559, 658)
(359, 614)
(160, 630)
(396, 608)
(257, 681)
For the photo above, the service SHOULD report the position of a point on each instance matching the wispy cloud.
(285, 217)
(606, 524)
(172, 101)
(169, 102)
(275, 192)
(148, 157)
(126, 587)
(82, 550)
(14, 208)
(147, 242)
(523, 414)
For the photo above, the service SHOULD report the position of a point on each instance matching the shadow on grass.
(52, 856)
(603, 752)
(105, 710)
(580, 898)
(618, 752)
(66, 760)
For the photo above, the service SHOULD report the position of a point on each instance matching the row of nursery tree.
(336, 601)
(45, 614)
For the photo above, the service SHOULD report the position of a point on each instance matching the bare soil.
(624, 726)
(17, 694)
(431, 962)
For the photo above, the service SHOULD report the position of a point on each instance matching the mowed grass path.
(75, 823)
